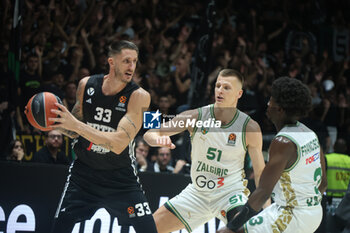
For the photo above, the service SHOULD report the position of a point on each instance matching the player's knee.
(166, 221)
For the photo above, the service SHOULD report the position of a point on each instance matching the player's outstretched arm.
(127, 128)
(161, 137)
(254, 144)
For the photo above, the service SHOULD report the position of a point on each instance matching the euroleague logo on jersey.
(121, 104)
(223, 213)
(122, 99)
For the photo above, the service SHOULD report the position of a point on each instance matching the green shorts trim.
(173, 210)
(245, 228)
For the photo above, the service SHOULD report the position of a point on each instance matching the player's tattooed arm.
(77, 112)
(130, 121)
(77, 109)
(127, 133)
(68, 133)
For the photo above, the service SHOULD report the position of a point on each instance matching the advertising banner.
(30, 194)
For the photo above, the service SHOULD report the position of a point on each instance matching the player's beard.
(121, 75)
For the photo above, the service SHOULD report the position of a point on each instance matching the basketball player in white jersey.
(218, 187)
(294, 174)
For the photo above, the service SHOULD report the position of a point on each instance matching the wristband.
(244, 215)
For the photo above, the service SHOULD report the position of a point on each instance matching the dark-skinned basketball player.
(294, 174)
(106, 118)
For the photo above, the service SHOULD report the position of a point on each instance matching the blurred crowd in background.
(64, 41)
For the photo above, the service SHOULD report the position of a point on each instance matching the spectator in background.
(338, 176)
(343, 212)
(141, 152)
(51, 153)
(163, 161)
(314, 122)
(181, 82)
(10, 114)
(29, 79)
(16, 151)
(55, 85)
(70, 92)
(330, 115)
(164, 105)
(83, 72)
(182, 167)
(75, 56)
(101, 64)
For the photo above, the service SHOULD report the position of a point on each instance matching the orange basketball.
(38, 110)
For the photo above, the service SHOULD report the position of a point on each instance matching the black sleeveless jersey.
(104, 113)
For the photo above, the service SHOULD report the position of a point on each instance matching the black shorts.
(87, 191)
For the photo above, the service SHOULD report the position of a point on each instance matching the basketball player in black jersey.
(104, 121)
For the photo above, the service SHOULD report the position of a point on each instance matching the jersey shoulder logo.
(204, 130)
(231, 139)
(90, 91)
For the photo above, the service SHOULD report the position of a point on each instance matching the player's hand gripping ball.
(38, 110)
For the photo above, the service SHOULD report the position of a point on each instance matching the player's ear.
(110, 61)
(280, 109)
(240, 93)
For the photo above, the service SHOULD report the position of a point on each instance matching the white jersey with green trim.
(218, 153)
(298, 185)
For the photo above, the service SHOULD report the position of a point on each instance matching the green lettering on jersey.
(212, 169)
(212, 152)
(203, 167)
(310, 147)
(198, 167)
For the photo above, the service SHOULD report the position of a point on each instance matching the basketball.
(38, 110)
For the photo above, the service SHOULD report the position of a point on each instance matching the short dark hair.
(292, 96)
(139, 139)
(117, 46)
(232, 73)
(159, 148)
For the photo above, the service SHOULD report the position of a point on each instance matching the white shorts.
(277, 219)
(194, 208)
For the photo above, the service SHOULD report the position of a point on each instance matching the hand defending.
(165, 141)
